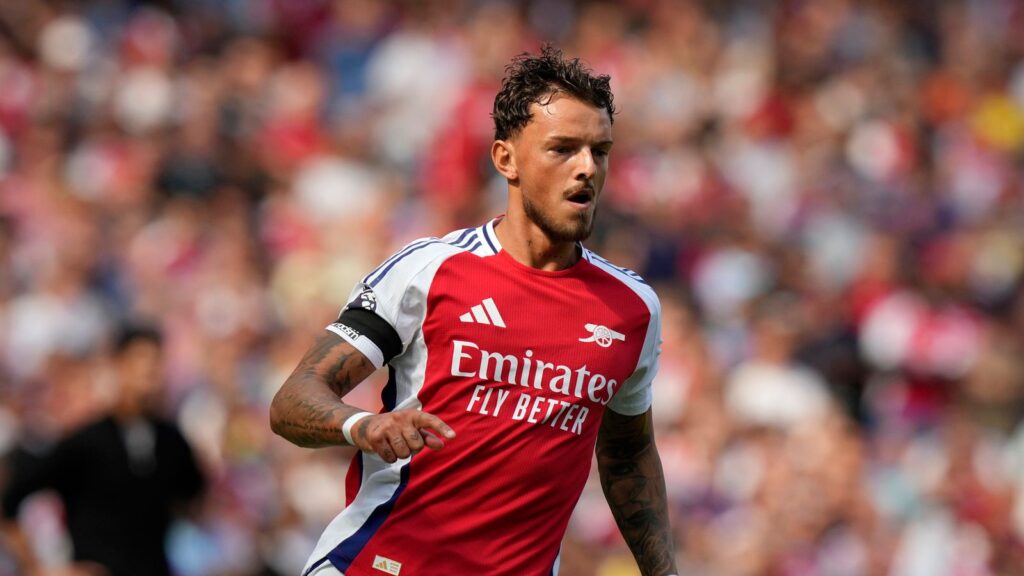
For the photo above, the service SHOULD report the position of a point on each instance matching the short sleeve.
(635, 395)
(386, 308)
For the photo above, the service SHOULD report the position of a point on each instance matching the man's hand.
(400, 434)
(308, 409)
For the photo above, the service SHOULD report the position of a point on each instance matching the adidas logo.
(387, 565)
(484, 313)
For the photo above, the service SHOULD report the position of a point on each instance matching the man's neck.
(529, 245)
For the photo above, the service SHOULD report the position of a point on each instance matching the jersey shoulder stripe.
(469, 241)
(466, 240)
(396, 256)
(480, 240)
(603, 263)
(631, 279)
(460, 237)
(486, 232)
(401, 256)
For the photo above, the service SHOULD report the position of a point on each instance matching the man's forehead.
(561, 111)
(563, 104)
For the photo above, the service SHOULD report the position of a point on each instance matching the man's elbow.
(275, 425)
(277, 413)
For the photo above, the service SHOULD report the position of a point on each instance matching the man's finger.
(431, 441)
(431, 422)
(383, 449)
(413, 440)
(398, 445)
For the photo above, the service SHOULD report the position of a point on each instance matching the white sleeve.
(635, 395)
(386, 308)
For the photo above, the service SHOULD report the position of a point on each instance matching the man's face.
(562, 161)
(139, 371)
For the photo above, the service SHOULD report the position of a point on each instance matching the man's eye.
(561, 150)
(601, 153)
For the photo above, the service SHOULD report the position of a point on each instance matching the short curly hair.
(530, 78)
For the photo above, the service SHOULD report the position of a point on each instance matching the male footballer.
(512, 350)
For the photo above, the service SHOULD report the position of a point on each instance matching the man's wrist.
(350, 422)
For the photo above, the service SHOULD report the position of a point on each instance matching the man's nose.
(586, 166)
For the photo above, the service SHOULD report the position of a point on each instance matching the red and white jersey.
(522, 363)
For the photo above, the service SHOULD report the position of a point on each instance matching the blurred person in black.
(121, 478)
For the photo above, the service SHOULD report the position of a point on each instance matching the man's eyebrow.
(557, 139)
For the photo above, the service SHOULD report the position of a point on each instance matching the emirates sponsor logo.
(469, 361)
(534, 377)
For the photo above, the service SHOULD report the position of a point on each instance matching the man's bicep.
(336, 362)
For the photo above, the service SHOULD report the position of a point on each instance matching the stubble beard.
(575, 229)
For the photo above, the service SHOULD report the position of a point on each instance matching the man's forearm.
(310, 417)
(308, 410)
(634, 486)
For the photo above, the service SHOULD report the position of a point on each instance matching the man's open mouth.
(582, 198)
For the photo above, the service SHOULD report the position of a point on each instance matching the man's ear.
(504, 158)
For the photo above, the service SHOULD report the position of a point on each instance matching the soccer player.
(514, 336)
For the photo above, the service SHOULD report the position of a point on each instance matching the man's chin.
(576, 232)
(583, 234)
(584, 227)
(573, 227)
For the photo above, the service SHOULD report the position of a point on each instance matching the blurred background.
(828, 196)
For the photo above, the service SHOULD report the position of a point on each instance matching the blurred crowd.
(828, 196)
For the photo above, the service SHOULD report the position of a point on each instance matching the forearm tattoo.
(308, 410)
(634, 486)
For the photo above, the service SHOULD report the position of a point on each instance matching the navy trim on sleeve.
(401, 256)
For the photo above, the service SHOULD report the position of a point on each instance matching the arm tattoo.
(333, 360)
(634, 486)
(308, 410)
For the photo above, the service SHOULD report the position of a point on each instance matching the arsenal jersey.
(522, 364)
